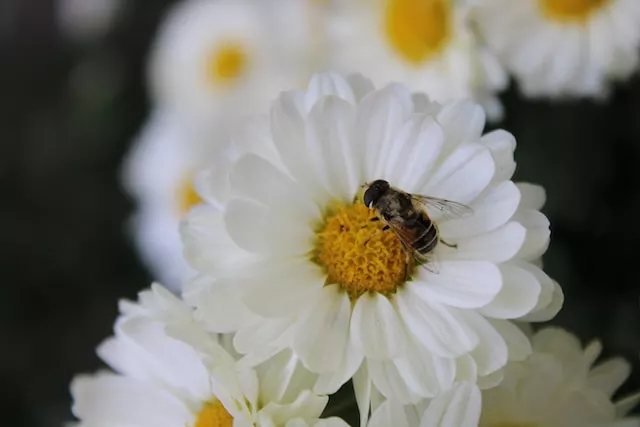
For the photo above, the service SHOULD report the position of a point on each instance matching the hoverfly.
(406, 215)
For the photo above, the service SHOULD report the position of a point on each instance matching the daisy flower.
(217, 58)
(161, 380)
(425, 44)
(559, 386)
(562, 47)
(458, 407)
(159, 173)
(289, 256)
(87, 19)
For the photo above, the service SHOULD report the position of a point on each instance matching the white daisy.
(217, 58)
(425, 44)
(458, 407)
(289, 260)
(87, 19)
(558, 386)
(161, 380)
(159, 173)
(563, 47)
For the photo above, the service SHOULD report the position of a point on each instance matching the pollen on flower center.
(187, 196)
(226, 63)
(358, 255)
(418, 29)
(214, 414)
(570, 10)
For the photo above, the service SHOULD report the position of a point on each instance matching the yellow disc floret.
(187, 196)
(213, 414)
(418, 29)
(570, 10)
(226, 63)
(358, 255)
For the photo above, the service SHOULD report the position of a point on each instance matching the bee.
(406, 215)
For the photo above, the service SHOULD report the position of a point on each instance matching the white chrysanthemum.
(217, 58)
(170, 372)
(159, 173)
(425, 44)
(563, 47)
(289, 260)
(558, 386)
(87, 19)
(458, 407)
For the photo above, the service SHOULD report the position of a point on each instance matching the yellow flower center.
(570, 10)
(214, 415)
(226, 63)
(187, 196)
(358, 255)
(418, 29)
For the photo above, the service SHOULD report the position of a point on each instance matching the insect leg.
(451, 245)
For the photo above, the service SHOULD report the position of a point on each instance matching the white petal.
(262, 333)
(609, 376)
(288, 128)
(389, 382)
(322, 336)
(502, 145)
(491, 353)
(549, 311)
(463, 121)
(207, 245)
(538, 233)
(467, 284)
(258, 179)
(425, 373)
(375, 327)
(390, 413)
(415, 150)
(466, 369)
(489, 213)
(380, 116)
(461, 406)
(257, 229)
(306, 406)
(518, 296)
(563, 345)
(360, 85)
(284, 292)
(330, 422)
(518, 343)
(352, 359)
(498, 245)
(330, 128)
(325, 84)
(174, 361)
(114, 400)
(626, 405)
(463, 175)
(533, 196)
(282, 377)
(218, 303)
(437, 328)
(362, 391)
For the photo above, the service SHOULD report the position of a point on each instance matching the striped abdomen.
(427, 236)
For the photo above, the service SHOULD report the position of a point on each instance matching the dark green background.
(68, 112)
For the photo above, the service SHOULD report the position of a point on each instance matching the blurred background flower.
(84, 84)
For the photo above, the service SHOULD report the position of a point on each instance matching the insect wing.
(447, 208)
(407, 239)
